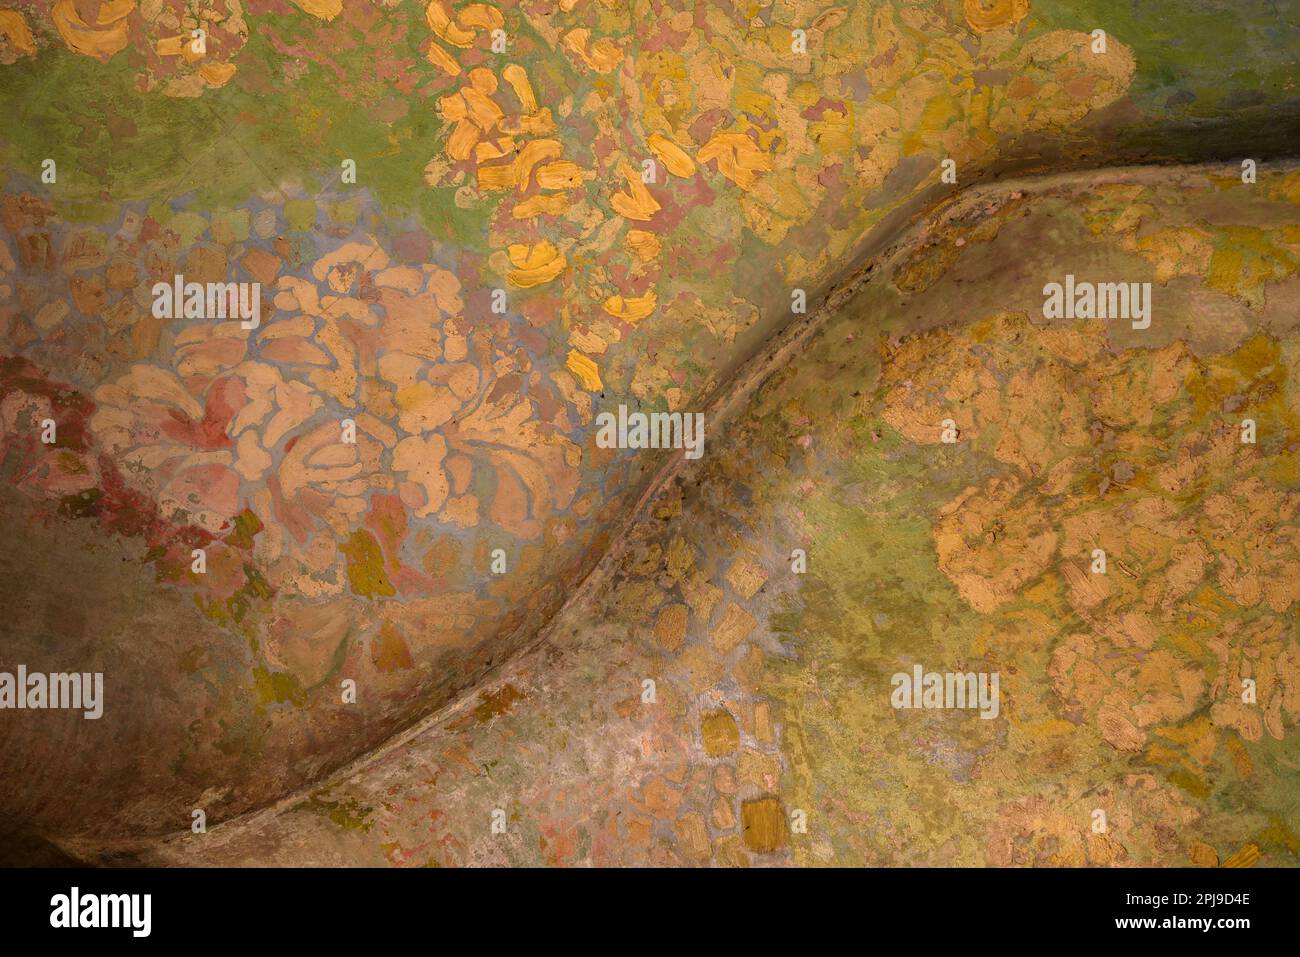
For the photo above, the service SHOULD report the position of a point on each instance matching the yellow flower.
(585, 369)
(643, 244)
(517, 77)
(633, 308)
(441, 58)
(460, 32)
(15, 30)
(986, 15)
(738, 158)
(535, 265)
(101, 39)
(217, 74)
(543, 204)
(519, 171)
(322, 9)
(640, 204)
(562, 174)
(441, 24)
(671, 155)
(602, 56)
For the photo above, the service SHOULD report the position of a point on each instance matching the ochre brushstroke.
(643, 244)
(586, 370)
(102, 39)
(321, 9)
(738, 158)
(986, 15)
(636, 203)
(631, 308)
(535, 265)
(14, 29)
(671, 155)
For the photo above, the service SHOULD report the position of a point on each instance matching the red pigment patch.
(72, 410)
(387, 521)
(118, 508)
(225, 398)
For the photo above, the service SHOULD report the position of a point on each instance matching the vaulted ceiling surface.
(483, 181)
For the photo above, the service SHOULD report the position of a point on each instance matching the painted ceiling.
(478, 226)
